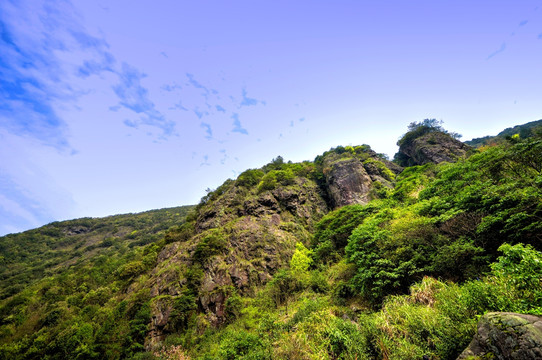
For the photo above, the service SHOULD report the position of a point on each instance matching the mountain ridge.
(282, 245)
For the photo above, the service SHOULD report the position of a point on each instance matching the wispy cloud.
(35, 38)
(224, 156)
(171, 87)
(200, 113)
(130, 123)
(29, 196)
(540, 36)
(246, 101)
(208, 130)
(135, 97)
(92, 67)
(18, 209)
(496, 52)
(221, 109)
(523, 23)
(179, 106)
(237, 125)
(205, 161)
(192, 81)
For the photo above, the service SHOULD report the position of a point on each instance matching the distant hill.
(34, 254)
(524, 131)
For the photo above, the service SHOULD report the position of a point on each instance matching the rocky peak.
(353, 175)
(242, 233)
(432, 147)
(247, 229)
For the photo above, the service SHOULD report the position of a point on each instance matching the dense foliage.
(523, 131)
(405, 276)
(65, 286)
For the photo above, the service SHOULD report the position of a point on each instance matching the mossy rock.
(506, 336)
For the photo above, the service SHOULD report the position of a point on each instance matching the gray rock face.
(260, 231)
(348, 182)
(434, 147)
(506, 336)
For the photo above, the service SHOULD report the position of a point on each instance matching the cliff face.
(433, 147)
(247, 229)
(239, 240)
(352, 177)
(348, 182)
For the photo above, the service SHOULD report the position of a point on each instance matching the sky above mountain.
(122, 106)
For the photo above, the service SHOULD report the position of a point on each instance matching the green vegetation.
(262, 268)
(524, 131)
(63, 286)
(417, 129)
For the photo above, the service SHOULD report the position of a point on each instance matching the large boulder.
(348, 182)
(433, 147)
(506, 336)
(353, 176)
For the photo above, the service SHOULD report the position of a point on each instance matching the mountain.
(51, 249)
(349, 256)
(523, 131)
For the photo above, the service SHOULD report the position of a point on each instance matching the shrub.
(243, 345)
(333, 230)
(213, 243)
(269, 182)
(183, 307)
(301, 260)
(250, 178)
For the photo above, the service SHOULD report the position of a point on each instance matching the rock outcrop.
(241, 238)
(348, 183)
(506, 336)
(247, 230)
(351, 176)
(433, 147)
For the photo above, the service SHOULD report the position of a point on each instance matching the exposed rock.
(159, 321)
(396, 169)
(259, 231)
(348, 182)
(243, 235)
(264, 205)
(433, 147)
(77, 230)
(239, 277)
(381, 180)
(506, 336)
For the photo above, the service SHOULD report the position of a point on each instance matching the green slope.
(524, 131)
(268, 266)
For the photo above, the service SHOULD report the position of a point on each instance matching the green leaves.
(301, 260)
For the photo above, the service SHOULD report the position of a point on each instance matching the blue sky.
(123, 106)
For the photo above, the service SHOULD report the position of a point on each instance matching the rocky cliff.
(506, 336)
(246, 230)
(353, 175)
(433, 147)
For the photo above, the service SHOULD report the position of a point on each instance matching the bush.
(269, 182)
(183, 308)
(333, 230)
(243, 345)
(182, 233)
(282, 286)
(213, 243)
(250, 178)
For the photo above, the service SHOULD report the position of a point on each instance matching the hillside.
(349, 256)
(523, 131)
